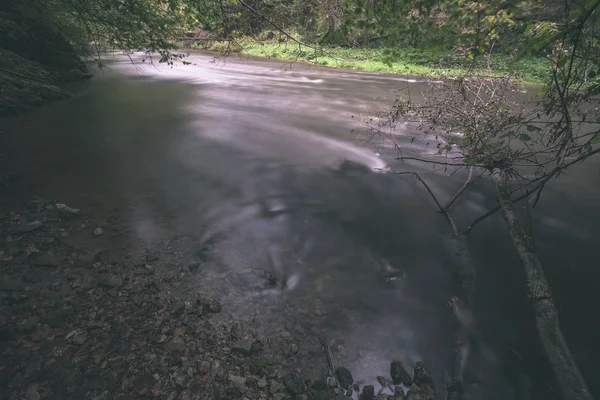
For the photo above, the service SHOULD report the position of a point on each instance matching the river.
(243, 157)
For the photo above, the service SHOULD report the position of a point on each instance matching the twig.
(442, 209)
(323, 341)
(461, 190)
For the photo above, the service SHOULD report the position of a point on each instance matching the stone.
(239, 382)
(32, 392)
(182, 381)
(422, 376)
(46, 260)
(344, 377)
(176, 344)
(382, 381)
(368, 393)
(262, 382)
(256, 346)
(399, 374)
(242, 347)
(79, 338)
(31, 324)
(293, 349)
(98, 231)
(237, 330)
(203, 367)
(114, 281)
(214, 306)
(293, 383)
(331, 382)
(28, 227)
(418, 393)
(275, 386)
(66, 210)
(399, 393)
(278, 396)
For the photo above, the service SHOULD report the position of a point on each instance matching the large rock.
(399, 374)
(33, 39)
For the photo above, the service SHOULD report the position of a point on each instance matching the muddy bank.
(81, 322)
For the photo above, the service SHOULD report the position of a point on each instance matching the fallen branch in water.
(570, 381)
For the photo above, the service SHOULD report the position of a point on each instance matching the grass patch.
(420, 62)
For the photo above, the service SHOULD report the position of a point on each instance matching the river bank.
(79, 321)
(390, 59)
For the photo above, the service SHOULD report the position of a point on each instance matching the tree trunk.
(570, 381)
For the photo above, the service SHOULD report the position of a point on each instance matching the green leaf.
(533, 128)
(524, 137)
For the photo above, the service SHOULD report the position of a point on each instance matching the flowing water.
(246, 158)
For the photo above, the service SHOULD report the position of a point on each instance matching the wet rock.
(399, 374)
(302, 397)
(368, 393)
(382, 381)
(66, 210)
(28, 227)
(46, 260)
(239, 382)
(237, 330)
(98, 231)
(422, 376)
(454, 389)
(344, 377)
(278, 396)
(150, 257)
(176, 344)
(251, 383)
(418, 393)
(32, 392)
(399, 393)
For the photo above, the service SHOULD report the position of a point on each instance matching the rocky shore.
(77, 322)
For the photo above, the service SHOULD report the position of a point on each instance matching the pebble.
(176, 344)
(98, 232)
(79, 338)
(239, 382)
(275, 386)
(294, 349)
(237, 330)
(368, 393)
(32, 392)
(262, 383)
